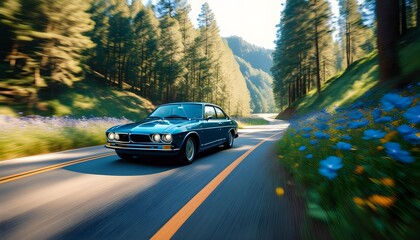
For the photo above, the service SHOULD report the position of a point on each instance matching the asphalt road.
(108, 198)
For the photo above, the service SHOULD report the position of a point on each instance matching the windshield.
(183, 111)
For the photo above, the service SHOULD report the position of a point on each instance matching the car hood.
(152, 126)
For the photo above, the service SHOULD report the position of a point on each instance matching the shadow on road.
(114, 166)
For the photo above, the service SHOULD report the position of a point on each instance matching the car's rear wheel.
(125, 156)
(229, 141)
(188, 151)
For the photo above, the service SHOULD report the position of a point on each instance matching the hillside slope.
(255, 63)
(258, 57)
(360, 80)
(259, 84)
(86, 98)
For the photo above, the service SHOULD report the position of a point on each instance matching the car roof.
(201, 103)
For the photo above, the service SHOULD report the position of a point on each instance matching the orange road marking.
(49, 168)
(173, 225)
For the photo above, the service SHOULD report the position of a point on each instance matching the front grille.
(140, 138)
(123, 137)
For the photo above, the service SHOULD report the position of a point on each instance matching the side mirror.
(208, 118)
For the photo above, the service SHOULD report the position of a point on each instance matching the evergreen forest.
(152, 50)
(313, 45)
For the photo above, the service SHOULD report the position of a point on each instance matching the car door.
(210, 127)
(224, 124)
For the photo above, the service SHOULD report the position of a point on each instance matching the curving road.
(90, 193)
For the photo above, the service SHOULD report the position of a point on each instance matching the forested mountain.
(255, 63)
(258, 57)
(153, 51)
(259, 84)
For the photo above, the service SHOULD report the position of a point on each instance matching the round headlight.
(111, 136)
(116, 136)
(156, 137)
(167, 138)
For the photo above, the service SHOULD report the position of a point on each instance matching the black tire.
(125, 156)
(229, 141)
(188, 151)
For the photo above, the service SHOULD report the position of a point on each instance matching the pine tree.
(189, 33)
(171, 67)
(354, 34)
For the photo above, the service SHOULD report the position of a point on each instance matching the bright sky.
(253, 20)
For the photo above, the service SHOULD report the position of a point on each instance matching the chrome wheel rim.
(230, 139)
(190, 150)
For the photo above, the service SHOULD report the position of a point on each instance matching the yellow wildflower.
(380, 148)
(359, 169)
(396, 123)
(383, 201)
(359, 201)
(388, 182)
(280, 191)
(296, 165)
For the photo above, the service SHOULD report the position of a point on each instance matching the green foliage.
(87, 98)
(153, 50)
(361, 76)
(374, 193)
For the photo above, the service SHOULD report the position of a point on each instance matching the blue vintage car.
(177, 129)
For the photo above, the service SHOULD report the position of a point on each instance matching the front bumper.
(142, 149)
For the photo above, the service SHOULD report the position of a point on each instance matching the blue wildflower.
(340, 121)
(329, 166)
(343, 146)
(412, 138)
(376, 113)
(306, 135)
(383, 119)
(309, 156)
(358, 124)
(371, 133)
(393, 100)
(313, 141)
(321, 135)
(413, 114)
(339, 128)
(394, 151)
(406, 130)
(355, 115)
(322, 126)
(307, 129)
(358, 104)
(346, 137)
(302, 148)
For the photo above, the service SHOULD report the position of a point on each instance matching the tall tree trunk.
(388, 31)
(403, 17)
(418, 15)
(318, 75)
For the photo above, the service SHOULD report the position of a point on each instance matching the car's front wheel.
(188, 151)
(125, 156)
(229, 141)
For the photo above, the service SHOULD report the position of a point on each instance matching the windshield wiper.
(155, 117)
(176, 116)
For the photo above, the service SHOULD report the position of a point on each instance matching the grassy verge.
(36, 135)
(249, 121)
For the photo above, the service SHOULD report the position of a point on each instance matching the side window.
(209, 112)
(220, 114)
